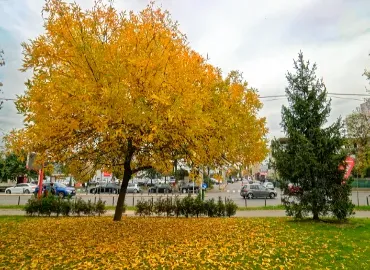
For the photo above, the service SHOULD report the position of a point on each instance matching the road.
(231, 192)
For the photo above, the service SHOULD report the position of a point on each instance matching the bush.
(32, 206)
(100, 207)
(144, 208)
(159, 206)
(230, 208)
(168, 207)
(49, 205)
(210, 207)
(198, 206)
(79, 206)
(220, 209)
(178, 207)
(89, 209)
(187, 207)
(66, 207)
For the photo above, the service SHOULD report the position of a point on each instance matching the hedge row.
(46, 206)
(187, 206)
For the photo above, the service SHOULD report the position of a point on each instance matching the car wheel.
(8, 192)
(250, 196)
(61, 195)
(27, 191)
(272, 195)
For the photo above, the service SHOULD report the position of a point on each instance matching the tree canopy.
(12, 166)
(358, 133)
(126, 90)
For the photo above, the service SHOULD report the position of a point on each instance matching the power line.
(337, 94)
(277, 97)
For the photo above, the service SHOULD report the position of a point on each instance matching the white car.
(268, 185)
(22, 188)
(133, 188)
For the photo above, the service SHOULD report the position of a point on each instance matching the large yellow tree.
(126, 90)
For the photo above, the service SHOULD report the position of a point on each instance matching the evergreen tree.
(308, 160)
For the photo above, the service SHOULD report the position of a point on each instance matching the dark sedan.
(108, 188)
(160, 188)
(189, 188)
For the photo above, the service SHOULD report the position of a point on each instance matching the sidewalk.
(248, 213)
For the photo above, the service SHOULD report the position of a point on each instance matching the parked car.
(109, 188)
(160, 188)
(268, 185)
(21, 188)
(251, 191)
(60, 189)
(189, 188)
(133, 188)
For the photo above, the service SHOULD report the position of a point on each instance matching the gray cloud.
(260, 38)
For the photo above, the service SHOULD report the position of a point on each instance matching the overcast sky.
(259, 38)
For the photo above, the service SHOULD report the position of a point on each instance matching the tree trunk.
(127, 173)
(122, 195)
(316, 216)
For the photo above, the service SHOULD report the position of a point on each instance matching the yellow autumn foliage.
(108, 86)
(180, 243)
(126, 90)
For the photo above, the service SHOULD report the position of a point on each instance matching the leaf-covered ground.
(180, 243)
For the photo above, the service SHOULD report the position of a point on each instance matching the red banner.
(350, 162)
(107, 174)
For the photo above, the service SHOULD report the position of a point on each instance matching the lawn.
(180, 243)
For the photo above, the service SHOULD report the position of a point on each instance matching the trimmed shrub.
(188, 206)
(100, 207)
(220, 209)
(79, 206)
(230, 208)
(198, 206)
(210, 207)
(49, 205)
(32, 206)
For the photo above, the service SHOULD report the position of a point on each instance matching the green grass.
(165, 243)
(11, 206)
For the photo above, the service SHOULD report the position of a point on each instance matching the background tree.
(2, 63)
(12, 166)
(358, 135)
(127, 91)
(152, 174)
(312, 153)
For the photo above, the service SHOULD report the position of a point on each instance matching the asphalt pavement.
(231, 191)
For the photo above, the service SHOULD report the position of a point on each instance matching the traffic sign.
(204, 185)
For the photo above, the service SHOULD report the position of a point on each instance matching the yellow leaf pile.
(166, 243)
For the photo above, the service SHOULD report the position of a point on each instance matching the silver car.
(251, 191)
(133, 188)
(21, 188)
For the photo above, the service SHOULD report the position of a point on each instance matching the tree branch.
(141, 169)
